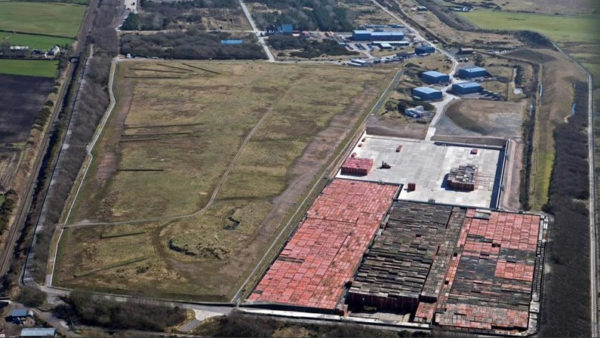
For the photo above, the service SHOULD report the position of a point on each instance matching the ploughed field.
(199, 166)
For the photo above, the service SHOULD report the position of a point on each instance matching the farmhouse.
(426, 93)
(433, 77)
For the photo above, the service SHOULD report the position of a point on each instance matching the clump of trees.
(85, 308)
(191, 44)
(31, 297)
(324, 15)
(308, 48)
(6, 208)
(566, 299)
(157, 15)
(241, 325)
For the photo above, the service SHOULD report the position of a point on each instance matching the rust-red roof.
(325, 251)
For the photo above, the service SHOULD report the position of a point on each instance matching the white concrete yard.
(426, 164)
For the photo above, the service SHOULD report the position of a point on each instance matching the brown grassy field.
(564, 7)
(252, 135)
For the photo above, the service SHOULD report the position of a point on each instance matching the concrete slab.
(426, 163)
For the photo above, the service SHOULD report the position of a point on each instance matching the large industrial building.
(367, 35)
(424, 49)
(427, 94)
(472, 72)
(464, 88)
(435, 77)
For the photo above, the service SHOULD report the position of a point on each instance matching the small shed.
(426, 93)
(433, 77)
(232, 42)
(18, 316)
(38, 332)
(424, 49)
(415, 112)
(285, 28)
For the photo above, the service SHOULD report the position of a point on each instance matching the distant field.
(185, 131)
(41, 68)
(559, 28)
(41, 17)
(34, 41)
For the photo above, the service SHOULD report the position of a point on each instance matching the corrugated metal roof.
(426, 90)
(434, 73)
(474, 69)
(38, 332)
(466, 85)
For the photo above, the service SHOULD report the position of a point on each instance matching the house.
(472, 72)
(434, 77)
(38, 332)
(426, 94)
(463, 88)
(415, 112)
(18, 316)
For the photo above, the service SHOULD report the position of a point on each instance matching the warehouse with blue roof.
(472, 72)
(426, 94)
(463, 88)
(366, 35)
(434, 77)
(424, 49)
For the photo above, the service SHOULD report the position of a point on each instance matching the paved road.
(440, 105)
(261, 39)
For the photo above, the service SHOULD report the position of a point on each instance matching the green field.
(34, 41)
(43, 18)
(41, 68)
(557, 27)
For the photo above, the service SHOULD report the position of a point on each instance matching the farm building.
(357, 166)
(366, 35)
(383, 45)
(38, 332)
(463, 88)
(426, 93)
(416, 112)
(472, 72)
(232, 42)
(18, 316)
(424, 49)
(433, 77)
(285, 28)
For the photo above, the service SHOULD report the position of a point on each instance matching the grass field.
(41, 17)
(559, 28)
(34, 41)
(183, 132)
(40, 68)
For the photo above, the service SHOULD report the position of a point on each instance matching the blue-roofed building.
(285, 28)
(426, 94)
(38, 332)
(361, 35)
(424, 49)
(433, 77)
(232, 42)
(387, 36)
(463, 88)
(18, 316)
(472, 72)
